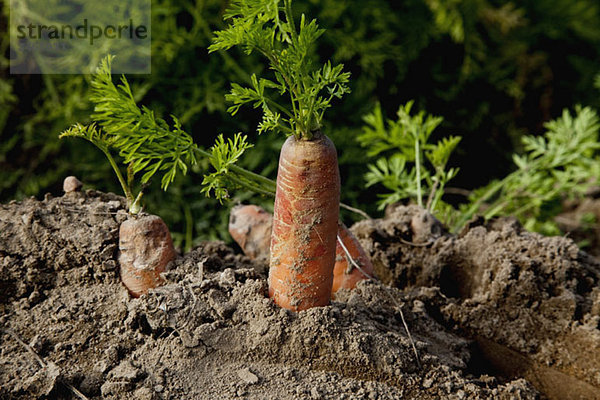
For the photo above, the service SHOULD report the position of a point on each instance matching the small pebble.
(72, 184)
(37, 343)
(34, 297)
(247, 376)
(418, 307)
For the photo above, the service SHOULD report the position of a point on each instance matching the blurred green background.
(494, 70)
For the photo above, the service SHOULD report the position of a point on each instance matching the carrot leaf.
(223, 155)
(268, 27)
(405, 172)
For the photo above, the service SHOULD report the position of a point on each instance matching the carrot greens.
(150, 146)
(268, 27)
(416, 168)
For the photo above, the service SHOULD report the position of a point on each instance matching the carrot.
(250, 226)
(145, 248)
(349, 254)
(306, 210)
(307, 194)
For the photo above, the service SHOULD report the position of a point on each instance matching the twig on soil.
(191, 313)
(41, 361)
(427, 243)
(398, 306)
(355, 210)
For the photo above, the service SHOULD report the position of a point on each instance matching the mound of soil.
(531, 303)
(494, 293)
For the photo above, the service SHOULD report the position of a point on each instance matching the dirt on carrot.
(250, 226)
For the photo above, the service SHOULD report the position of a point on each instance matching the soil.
(495, 313)
(580, 221)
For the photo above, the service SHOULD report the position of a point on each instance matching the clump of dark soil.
(211, 332)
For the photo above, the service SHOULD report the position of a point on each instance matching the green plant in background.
(513, 67)
(563, 163)
(416, 169)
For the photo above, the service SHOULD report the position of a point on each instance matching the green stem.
(136, 207)
(279, 107)
(265, 185)
(477, 205)
(418, 166)
(432, 198)
(114, 166)
(290, 20)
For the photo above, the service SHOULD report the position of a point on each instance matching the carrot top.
(268, 27)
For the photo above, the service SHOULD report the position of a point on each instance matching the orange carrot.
(146, 248)
(250, 227)
(348, 253)
(303, 239)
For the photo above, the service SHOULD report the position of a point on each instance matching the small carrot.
(351, 261)
(250, 226)
(145, 247)
(303, 239)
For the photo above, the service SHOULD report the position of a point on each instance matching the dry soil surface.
(494, 313)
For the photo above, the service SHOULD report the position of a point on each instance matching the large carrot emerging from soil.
(308, 181)
(305, 219)
(250, 226)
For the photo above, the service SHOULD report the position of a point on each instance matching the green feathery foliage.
(563, 163)
(148, 144)
(268, 27)
(408, 139)
(223, 156)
